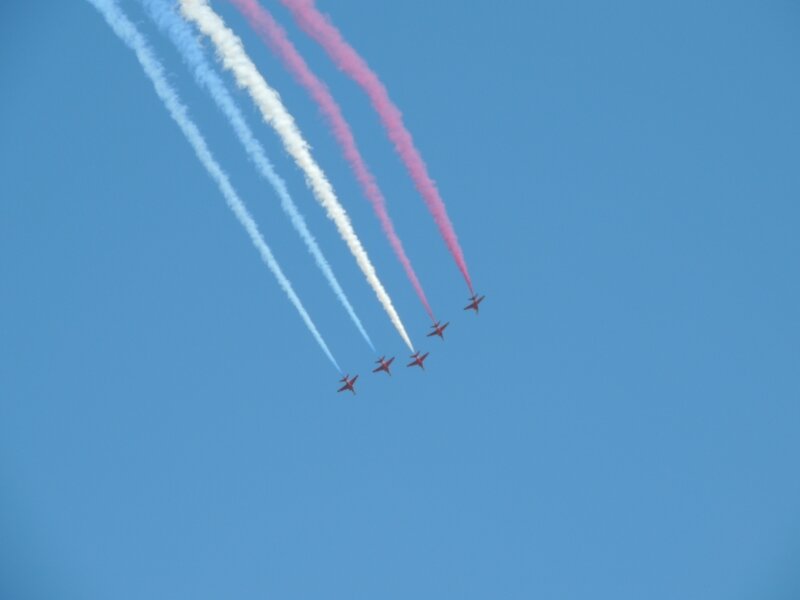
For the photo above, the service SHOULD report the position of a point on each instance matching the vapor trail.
(230, 49)
(153, 68)
(275, 37)
(182, 36)
(316, 25)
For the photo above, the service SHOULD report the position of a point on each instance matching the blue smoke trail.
(127, 32)
(163, 13)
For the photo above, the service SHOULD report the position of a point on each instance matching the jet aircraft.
(438, 329)
(475, 301)
(384, 365)
(418, 360)
(348, 384)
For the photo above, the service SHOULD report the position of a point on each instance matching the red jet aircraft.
(384, 364)
(348, 384)
(418, 360)
(474, 304)
(438, 329)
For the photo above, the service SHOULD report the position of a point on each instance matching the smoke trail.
(128, 33)
(182, 36)
(316, 25)
(275, 37)
(230, 49)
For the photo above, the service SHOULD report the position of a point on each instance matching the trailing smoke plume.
(127, 32)
(348, 60)
(231, 51)
(182, 36)
(275, 37)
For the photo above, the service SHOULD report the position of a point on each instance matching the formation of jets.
(418, 359)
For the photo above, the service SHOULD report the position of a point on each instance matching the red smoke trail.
(275, 37)
(316, 25)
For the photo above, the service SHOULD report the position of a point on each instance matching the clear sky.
(619, 422)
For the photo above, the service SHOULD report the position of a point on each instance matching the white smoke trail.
(128, 33)
(183, 37)
(234, 58)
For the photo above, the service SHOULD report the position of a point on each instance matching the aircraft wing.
(390, 361)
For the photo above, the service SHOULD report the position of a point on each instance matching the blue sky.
(619, 422)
